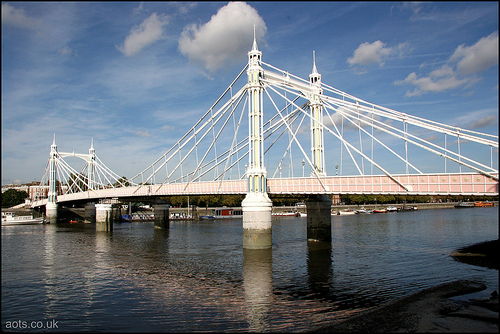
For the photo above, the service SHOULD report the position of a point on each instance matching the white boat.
(301, 214)
(392, 209)
(347, 212)
(143, 216)
(285, 214)
(364, 211)
(10, 218)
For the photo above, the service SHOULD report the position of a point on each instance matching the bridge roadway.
(416, 184)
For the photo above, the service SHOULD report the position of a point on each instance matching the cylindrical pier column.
(257, 227)
(162, 214)
(90, 213)
(104, 217)
(51, 212)
(319, 218)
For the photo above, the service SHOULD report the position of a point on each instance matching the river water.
(197, 277)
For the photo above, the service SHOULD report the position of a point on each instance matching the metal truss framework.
(94, 175)
(287, 107)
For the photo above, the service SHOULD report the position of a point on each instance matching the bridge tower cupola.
(53, 147)
(254, 55)
(315, 77)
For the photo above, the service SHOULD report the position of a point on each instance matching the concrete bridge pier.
(162, 216)
(89, 213)
(104, 217)
(319, 218)
(257, 227)
(51, 212)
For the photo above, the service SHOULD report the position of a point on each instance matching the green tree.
(122, 182)
(77, 183)
(13, 197)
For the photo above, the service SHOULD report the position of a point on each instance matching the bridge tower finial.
(314, 77)
(53, 147)
(254, 46)
(254, 56)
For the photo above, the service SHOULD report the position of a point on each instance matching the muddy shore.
(434, 309)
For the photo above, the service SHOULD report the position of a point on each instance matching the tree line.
(347, 199)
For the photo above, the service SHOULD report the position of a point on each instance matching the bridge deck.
(417, 184)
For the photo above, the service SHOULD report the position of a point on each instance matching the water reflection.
(50, 283)
(195, 276)
(258, 285)
(319, 268)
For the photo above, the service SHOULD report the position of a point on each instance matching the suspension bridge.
(271, 132)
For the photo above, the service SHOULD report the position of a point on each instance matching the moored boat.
(143, 216)
(380, 211)
(364, 211)
(207, 217)
(461, 205)
(392, 209)
(408, 208)
(483, 204)
(285, 214)
(180, 216)
(347, 212)
(224, 213)
(10, 218)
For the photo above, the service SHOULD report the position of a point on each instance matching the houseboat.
(225, 213)
(10, 218)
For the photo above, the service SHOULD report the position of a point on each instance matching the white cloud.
(468, 61)
(143, 133)
(478, 119)
(226, 38)
(376, 52)
(67, 51)
(431, 83)
(17, 17)
(478, 57)
(148, 32)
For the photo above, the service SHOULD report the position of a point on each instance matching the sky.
(135, 76)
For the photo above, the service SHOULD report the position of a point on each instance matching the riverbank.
(435, 309)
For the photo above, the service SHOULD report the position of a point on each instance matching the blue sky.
(135, 76)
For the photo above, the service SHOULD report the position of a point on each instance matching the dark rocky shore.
(432, 310)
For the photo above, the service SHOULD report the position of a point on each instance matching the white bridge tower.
(256, 206)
